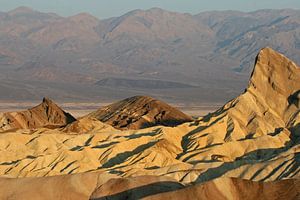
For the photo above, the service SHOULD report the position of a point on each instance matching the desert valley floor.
(79, 109)
(143, 148)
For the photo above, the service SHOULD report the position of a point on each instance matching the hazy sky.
(110, 8)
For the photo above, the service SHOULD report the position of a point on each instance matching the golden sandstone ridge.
(248, 149)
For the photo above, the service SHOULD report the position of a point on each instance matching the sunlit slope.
(253, 137)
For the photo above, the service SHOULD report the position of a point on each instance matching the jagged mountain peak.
(267, 62)
(47, 103)
(269, 106)
(46, 114)
(271, 61)
(47, 100)
(275, 79)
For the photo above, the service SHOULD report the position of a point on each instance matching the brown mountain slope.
(226, 188)
(155, 24)
(205, 50)
(140, 112)
(45, 114)
(220, 189)
(100, 186)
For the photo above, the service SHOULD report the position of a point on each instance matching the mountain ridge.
(248, 149)
(140, 112)
(214, 50)
(45, 114)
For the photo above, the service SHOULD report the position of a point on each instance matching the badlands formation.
(140, 112)
(141, 148)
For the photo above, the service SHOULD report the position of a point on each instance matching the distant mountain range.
(170, 55)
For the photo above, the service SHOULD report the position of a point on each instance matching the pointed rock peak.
(51, 112)
(47, 100)
(274, 71)
(47, 105)
(267, 54)
(269, 58)
(274, 83)
(46, 114)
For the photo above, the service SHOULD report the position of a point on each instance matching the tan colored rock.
(87, 126)
(98, 186)
(75, 187)
(254, 137)
(268, 106)
(135, 188)
(226, 188)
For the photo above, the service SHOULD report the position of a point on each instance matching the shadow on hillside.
(152, 134)
(142, 191)
(254, 157)
(122, 157)
(101, 146)
(185, 140)
(294, 99)
(86, 144)
(295, 130)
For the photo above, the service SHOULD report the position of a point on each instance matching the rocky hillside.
(140, 112)
(269, 106)
(254, 137)
(154, 52)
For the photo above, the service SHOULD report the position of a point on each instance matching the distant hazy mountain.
(65, 57)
